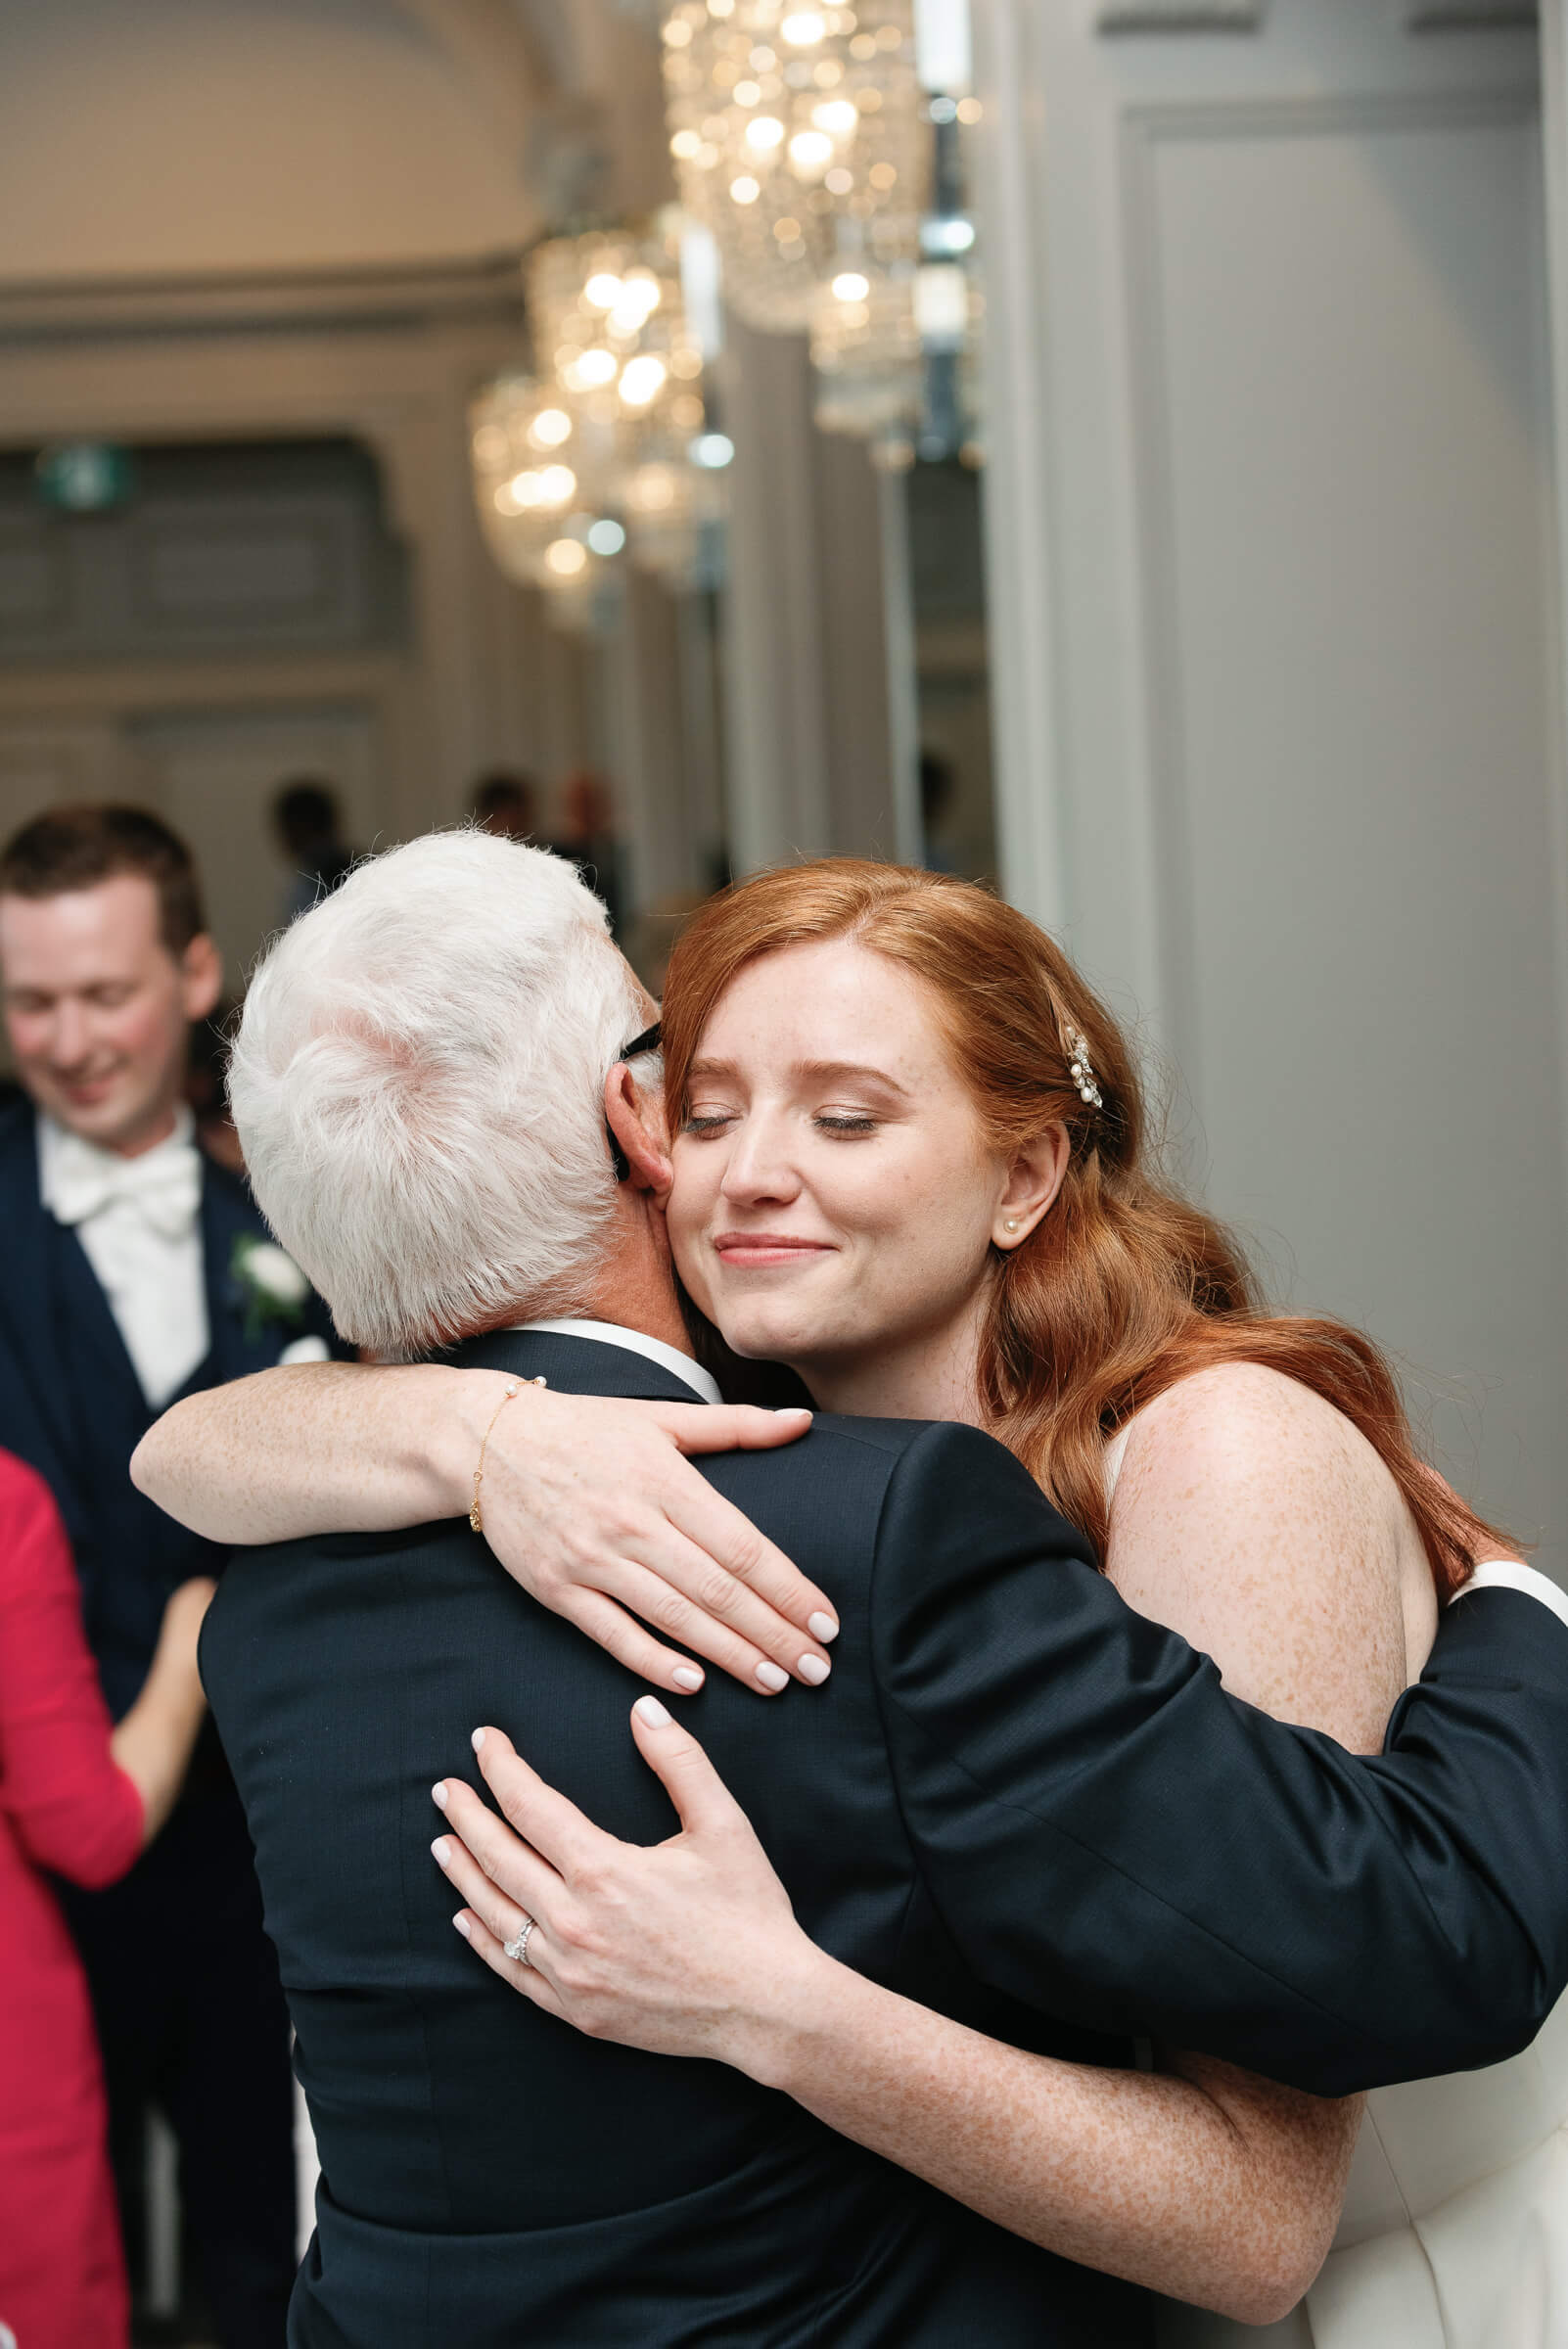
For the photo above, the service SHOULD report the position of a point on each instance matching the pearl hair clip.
(1079, 1071)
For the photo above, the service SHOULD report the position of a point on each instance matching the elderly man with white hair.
(444, 1086)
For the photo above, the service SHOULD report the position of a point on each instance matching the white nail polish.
(440, 1851)
(686, 1676)
(461, 1922)
(476, 1742)
(822, 1626)
(773, 1677)
(437, 1795)
(651, 1713)
(815, 1668)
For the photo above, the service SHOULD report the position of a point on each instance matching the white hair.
(418, 1085)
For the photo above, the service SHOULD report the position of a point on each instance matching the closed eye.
(712, 1121)
(840, 1121)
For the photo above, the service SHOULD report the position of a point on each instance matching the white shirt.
(634, 1341)
(139, 1221)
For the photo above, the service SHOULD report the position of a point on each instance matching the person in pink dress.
(80, 1800)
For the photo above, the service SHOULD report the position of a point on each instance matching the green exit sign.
(85, 477)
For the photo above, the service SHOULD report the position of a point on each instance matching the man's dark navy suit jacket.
(1015, 1801)
(71, 1404)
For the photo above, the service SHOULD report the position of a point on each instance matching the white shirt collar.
(57, 1143)
(635, 1341)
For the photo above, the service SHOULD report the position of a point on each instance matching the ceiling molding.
(462, 290)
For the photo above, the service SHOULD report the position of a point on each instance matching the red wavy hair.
(1124, 1287)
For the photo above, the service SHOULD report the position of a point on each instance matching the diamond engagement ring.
(518, 1950)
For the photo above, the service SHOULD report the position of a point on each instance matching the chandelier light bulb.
(804, 29)
(550, 428)
(839, 116)
(850, 286)
(686, 145)
(745, 190)
(603, 290)
(591, 370)
(765, 133)
(810, 152)
(642, 379)
(566, 558)
(558, 486)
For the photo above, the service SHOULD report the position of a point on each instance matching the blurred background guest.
(586, 835)
(937, 785)
(310, 830)
(507, 804)
(206, 1089)
(81, 1801)
(138, 1270)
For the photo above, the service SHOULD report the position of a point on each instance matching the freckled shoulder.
(1250, 1515)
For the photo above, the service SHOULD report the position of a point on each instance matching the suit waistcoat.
(130, 1555)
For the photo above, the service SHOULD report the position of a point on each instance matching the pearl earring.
(1010, 1223)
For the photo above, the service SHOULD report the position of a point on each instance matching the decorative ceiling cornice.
(485, 290)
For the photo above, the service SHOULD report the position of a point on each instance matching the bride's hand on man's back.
(589, 1503)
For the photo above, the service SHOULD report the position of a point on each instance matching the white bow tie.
(163, 1185)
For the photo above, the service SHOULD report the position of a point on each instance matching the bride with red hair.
(910, 1160)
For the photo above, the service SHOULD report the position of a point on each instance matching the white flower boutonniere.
(272, 1291)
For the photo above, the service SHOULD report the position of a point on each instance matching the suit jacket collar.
(572, 1365)
(27, 1299)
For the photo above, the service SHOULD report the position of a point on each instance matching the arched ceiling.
(210, 138)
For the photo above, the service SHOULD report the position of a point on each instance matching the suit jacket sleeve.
(1108, 1836)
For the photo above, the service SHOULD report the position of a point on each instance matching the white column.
(650, 764)
(819, 674)
(774, 690)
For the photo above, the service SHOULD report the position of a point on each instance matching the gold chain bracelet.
(475, 1518)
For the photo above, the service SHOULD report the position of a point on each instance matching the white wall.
(1274, 585)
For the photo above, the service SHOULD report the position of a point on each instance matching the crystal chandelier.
(529, 466)
(610, 319)
(610, 332)
(595, 452)
(798, 133)
(897, 358)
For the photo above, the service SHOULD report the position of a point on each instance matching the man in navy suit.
(137, 1270)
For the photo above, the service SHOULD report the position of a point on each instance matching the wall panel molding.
(1177, 16)
(1471, 16)
(1144, 131)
